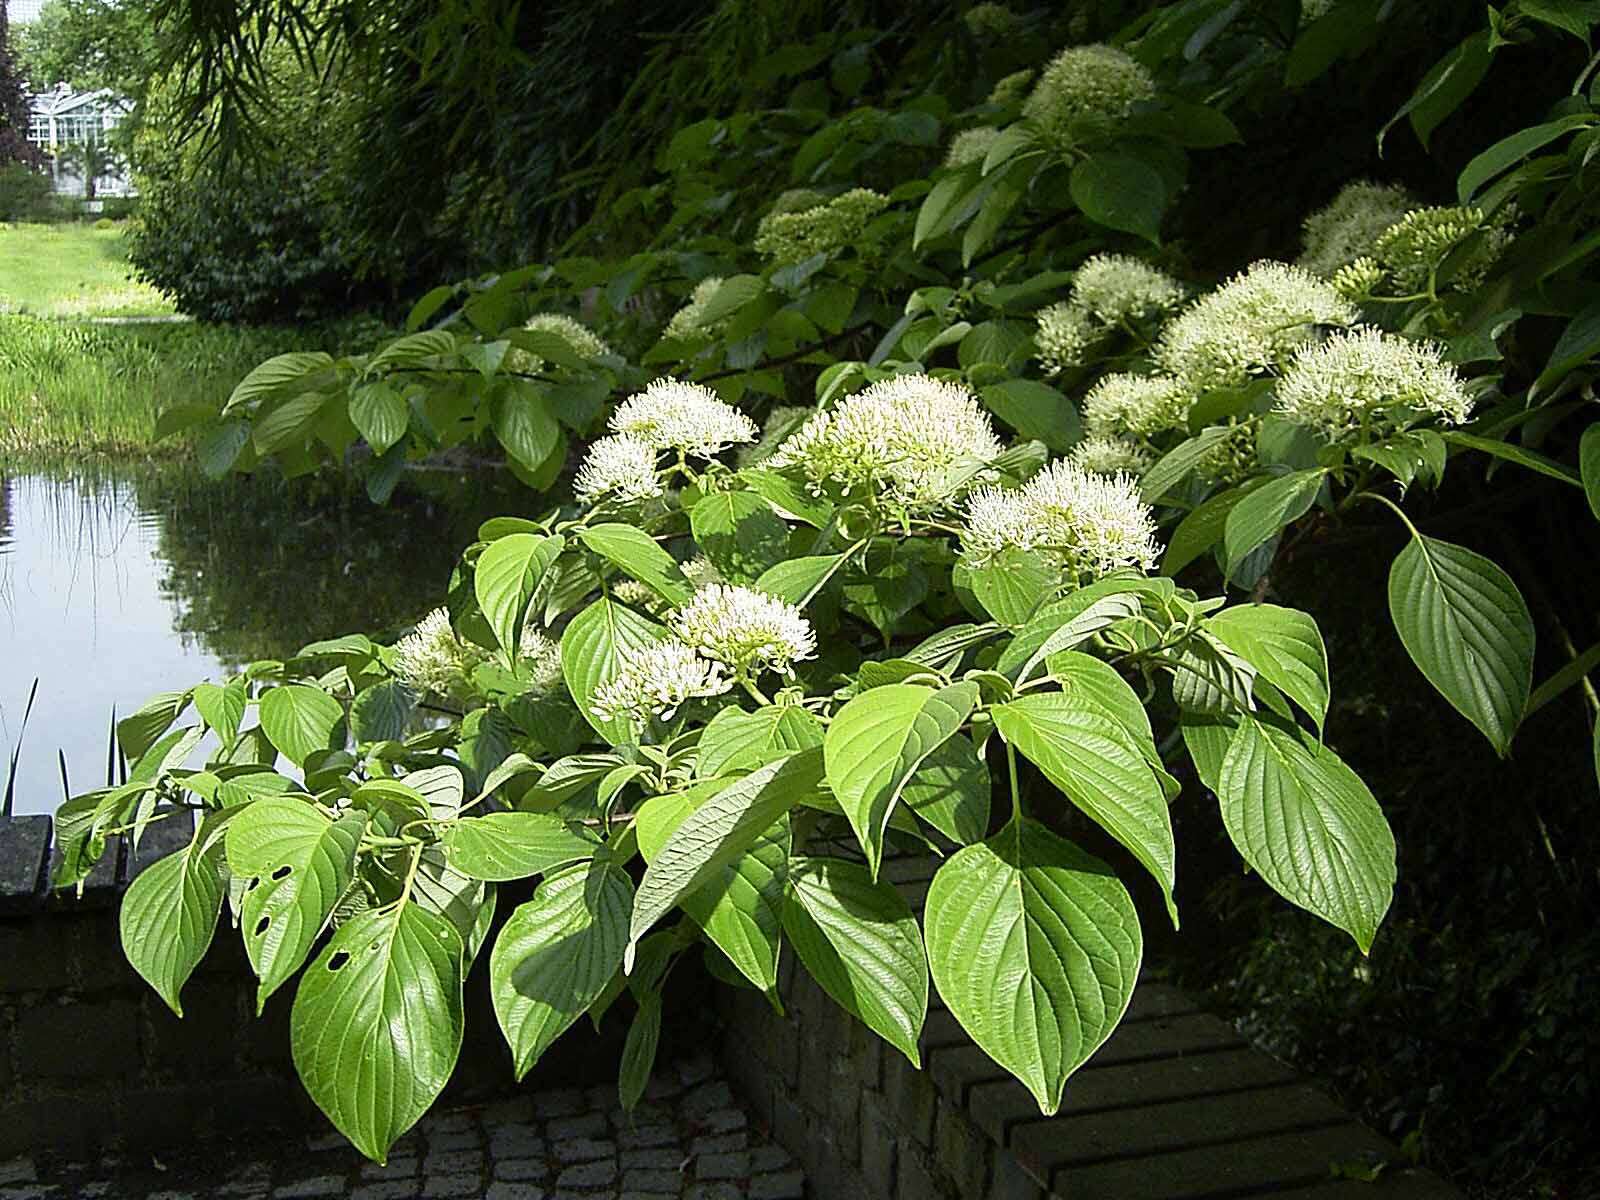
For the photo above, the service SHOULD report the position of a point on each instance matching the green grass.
(71, 269)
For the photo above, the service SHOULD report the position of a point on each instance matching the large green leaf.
(513, 845)
(295, 864)
(878, 739)
(1035, 946)
(277, 374)
(1589, 466)
(1035, 410)
(592, 648)
(377, 1023)
(1173, 467)
(1285, 647)
(1120, 192)
(141, 729)
(524, 424)
(740, 533)
(735, 740)
(637, 553)
(719, 831)
(508, 571)
(169, 914)
(300, 720)
(222, 708)
(1468, 629)
(556, 955)
(1097, 763)
(1265, 511)
(1013, 584)
(1308, 825)
(1067, 622)
(951, 791)
(860, 942)
(380, 414)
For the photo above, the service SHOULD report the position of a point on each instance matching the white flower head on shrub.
(542, 659)
(970, 145)
(1107, 454)
(1086, 86)
(1066, 335)
(656, 680)
(907, 438)
(431, 660)
(584, 341)
(1140, 405)
(786, 238)
(672, 415)
(1415, 246)
(747, 630)
(1250, 324)
(1348, 227)
(619, 468)
(1368, 381)
(689, 321)
(1095, 524)
(1118, 287)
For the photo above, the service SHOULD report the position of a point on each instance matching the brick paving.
(688, 1139)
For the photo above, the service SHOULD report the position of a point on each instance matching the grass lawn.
(71, 269)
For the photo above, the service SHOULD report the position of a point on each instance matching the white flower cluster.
(1252, 323)
(1107, 454)
(1065, 336)
(656, 680)
(1084, 88)
(689, 321)
(672, 415)
(746, 630)
(909, 437)
(1415, 246)
(431, 660)
(1367, 382)
(1110, 292)
(1141, 405)
(1337, 235)
(786, 238)
(584, 341)
(970, 146)
(618, 468)
(1093, 523)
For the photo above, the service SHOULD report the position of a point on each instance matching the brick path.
(687, 1140)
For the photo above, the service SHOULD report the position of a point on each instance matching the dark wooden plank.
(1168, 1126)
(1159, 1000)
(24, 851)
(1223, 1171)
(1166, 1037)
(1405, 1184)
(1162, 1080)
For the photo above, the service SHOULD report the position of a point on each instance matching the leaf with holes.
(296, 864)
(556, 954)
(170, 913)
(377, 1023)
(1468, 629)
(861, 944)
(1308, 826)
(300, 720)
(1035, 946)
(878, 739)
(514, 845)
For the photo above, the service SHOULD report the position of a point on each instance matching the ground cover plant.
(924, 374)
(72, 269)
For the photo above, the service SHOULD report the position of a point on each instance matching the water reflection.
(119, 582)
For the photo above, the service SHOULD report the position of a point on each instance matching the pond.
(119, 582)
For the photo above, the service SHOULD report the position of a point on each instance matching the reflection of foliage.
(259, 567)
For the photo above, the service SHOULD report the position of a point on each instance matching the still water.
(118, 583)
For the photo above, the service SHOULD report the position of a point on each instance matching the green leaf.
(382, 712)
(220, 447)
(1285, 646)
(736, 291)
(1308, 826)
(1013, 584)
(1121, 192)
(380, 413)
(1265, 511)
(295, 864)
(300, 720)
(1035, 946)
(639, 1052)
(1448, 82)
(877, 740)
(788, 495)
(140, 730)
(288, 423)
(1468, 629)
(377, 1023)
(513, 845)
(717, 832)
(1521, 455)
(1173, 467)
(556, 954)
(944, 207)
(1509, 151)
(1098, 687)
(951, 791)
(525, 426)
(508, 571)
(1589, 466)
(1199, 530)
(735, 740)
(1098, 765)
(861, 944)
(169, 915)
(591, 655)
(740, 533)
(1578, 343)
(1035, 410)
(638, 554)
(221, 708)
(413, 348)
(1067, 622)
(176, 419)
(795, 579)
(277, 374)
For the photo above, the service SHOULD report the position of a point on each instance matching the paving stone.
(168, 1195)
(573, 1150)
(560, 1103)
(789, 1185)
(102, 1187)
(713, 1191)
(590, 1124)
(395, 1168)
(513, 1191)
(320, 1185)
(724, 1120)
(632, 1195)
(590, 1174)
(454, 1139)
(453, 1162)
(661, 1158)
(722, 1166)
(18, 1170)
(521, 1169)
(697, 1069)
(719, 1143)
(437, 1186)
(647, 1135)
(516, 1141)
(324, 1142)
(386, 1189)
(706, 1099)
(445, 1122)
(769, 1158)
(644, 1180)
